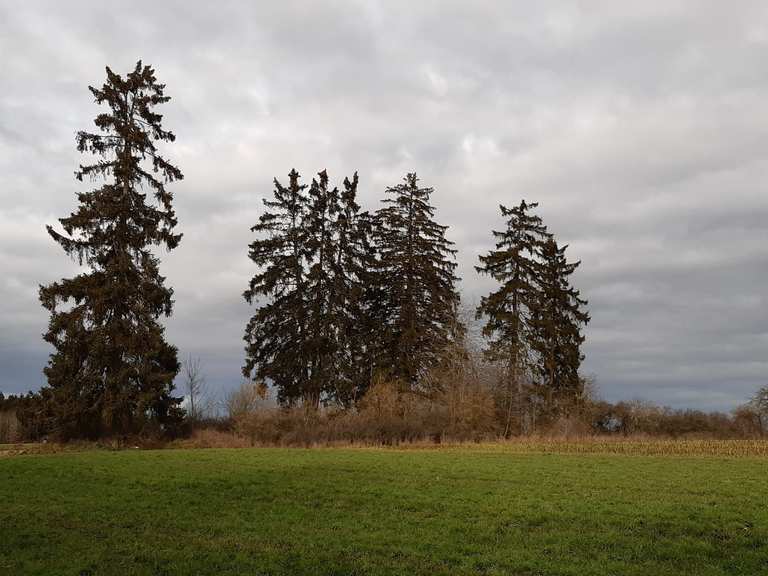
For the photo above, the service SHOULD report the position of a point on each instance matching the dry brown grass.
(210, 438)
(638, 446)
(265, 432)
(632, 446)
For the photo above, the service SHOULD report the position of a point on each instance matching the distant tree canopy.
(112, 370)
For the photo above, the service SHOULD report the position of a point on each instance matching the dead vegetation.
(10, 428)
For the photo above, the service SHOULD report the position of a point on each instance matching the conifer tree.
(322, 344)
(276, 336)
(556, 331)
(351, 286)
(507, 310)
(112, 370)
(360, 302)
(304, 337)
(416, 273)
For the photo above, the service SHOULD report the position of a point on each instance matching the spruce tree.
(112, 370)
(351, 286)
(305, 338)
(416, 273)
(323, 345)
(276, 336)
(556, 322)
(365, 313)
(515, 265)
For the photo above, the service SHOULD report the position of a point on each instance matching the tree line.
(344, 298)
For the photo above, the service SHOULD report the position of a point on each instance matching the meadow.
(532, 508)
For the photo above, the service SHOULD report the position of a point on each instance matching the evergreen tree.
(276, 336)
(415, 271)
(507, 310)
(305, 336)
(360, 303)
(351, 286)
(112, 371)
(323, 344)
(557, 320)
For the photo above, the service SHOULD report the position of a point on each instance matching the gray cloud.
(640, 130)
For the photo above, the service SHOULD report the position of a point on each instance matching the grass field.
(486, 510)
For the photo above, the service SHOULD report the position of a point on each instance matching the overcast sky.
(640, 128)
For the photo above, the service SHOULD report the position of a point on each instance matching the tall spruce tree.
(366, 311)
(416, 273)
(351, 313)
(515, 265)
(276, 336)
(556, 322)
(304, 337)
(112, 371)
(323, 346)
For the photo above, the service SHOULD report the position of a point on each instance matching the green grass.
(367, 511)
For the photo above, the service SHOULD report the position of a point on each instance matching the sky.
(641, 129)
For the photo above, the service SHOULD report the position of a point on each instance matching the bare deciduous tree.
(760, 405)
(246, 399)
(199, 402)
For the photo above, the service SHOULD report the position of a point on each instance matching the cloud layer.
(640, 129)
